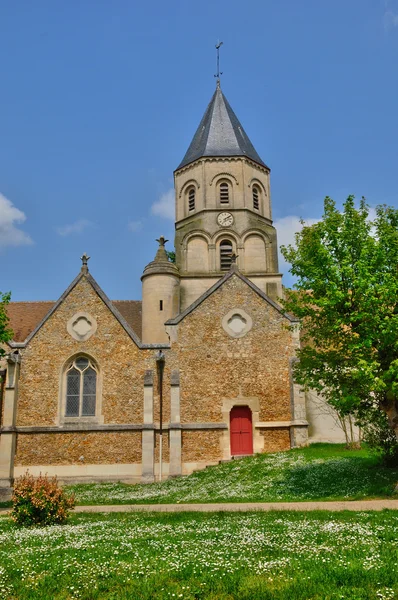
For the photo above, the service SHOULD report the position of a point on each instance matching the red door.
(241, 430)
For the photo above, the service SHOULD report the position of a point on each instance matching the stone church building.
(199, 371)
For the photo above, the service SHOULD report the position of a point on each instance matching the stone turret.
(160, 296)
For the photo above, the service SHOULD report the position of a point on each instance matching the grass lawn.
(320, 472)
(224, 556)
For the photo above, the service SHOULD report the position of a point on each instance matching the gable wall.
(215, 368)
(122, 365)
(112, 348)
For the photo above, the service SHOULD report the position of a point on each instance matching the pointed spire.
(220, 134)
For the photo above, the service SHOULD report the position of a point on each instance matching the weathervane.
(218, 74)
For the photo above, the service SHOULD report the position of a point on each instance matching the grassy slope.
(250, 556)
(320, 472)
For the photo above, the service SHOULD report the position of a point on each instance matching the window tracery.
(81, 388)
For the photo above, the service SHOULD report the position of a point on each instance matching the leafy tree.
(347, 298)
(171, 255)
(5, 332)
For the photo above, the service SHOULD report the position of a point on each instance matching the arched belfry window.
(81, 388)
(225, 255)
(224, 192)
(256, 197)
(191, 199)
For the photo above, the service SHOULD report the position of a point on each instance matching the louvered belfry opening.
(191, 199)
(224, 193)
(81, 388)
(256, 198)
(225, 255)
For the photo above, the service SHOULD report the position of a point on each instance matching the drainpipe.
(2, 387)
(160, 361)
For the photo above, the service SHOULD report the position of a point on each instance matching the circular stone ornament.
(81, 326)
(237, 323)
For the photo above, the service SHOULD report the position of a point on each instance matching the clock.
(225, 219)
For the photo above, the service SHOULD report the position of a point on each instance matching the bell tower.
(223, 207)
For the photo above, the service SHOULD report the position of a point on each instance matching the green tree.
(171, 255)
(347, 298)
(5, 332)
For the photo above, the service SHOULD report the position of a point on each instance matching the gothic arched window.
(225, 255)
(191, 199)
(224, 192)
(256, 197)
(81, 388)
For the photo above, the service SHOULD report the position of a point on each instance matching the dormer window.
(225, 255)
(191, 199)
(224, 193)
(256, 197)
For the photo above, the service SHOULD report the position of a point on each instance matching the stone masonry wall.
(78, 448)
(276, 440)
(121, 365)
(215, 366)
(200, 446)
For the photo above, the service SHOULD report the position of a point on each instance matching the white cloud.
(286, 228)
(135, 226)
(10, 216)
(76, 227)
(391, 14)
(390, 19)
(165, 206)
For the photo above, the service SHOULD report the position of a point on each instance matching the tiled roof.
(220, 134)
(131, 311)
(25, 316)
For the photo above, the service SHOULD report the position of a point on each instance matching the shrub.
(40, 501)
(381, 438)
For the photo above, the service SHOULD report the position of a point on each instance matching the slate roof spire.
(220, 134)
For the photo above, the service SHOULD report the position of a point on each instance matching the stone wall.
(217, 369)
(121, 367)
(201, 446)
(276, 440)
(78, 448)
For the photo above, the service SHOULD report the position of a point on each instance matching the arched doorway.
(241, 430)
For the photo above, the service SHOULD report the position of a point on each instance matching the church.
(197, 372)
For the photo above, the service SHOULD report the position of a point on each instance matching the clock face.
(225, 219)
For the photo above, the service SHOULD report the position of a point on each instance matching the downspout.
(160, 361)
(2, 385)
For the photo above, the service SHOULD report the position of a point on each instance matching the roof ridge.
(233, 271)
(30, 301)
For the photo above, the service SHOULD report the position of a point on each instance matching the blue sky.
(99, 101)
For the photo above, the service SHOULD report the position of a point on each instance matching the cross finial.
(162, 241)
(85, 258)
(218, 74)
(234, 258)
